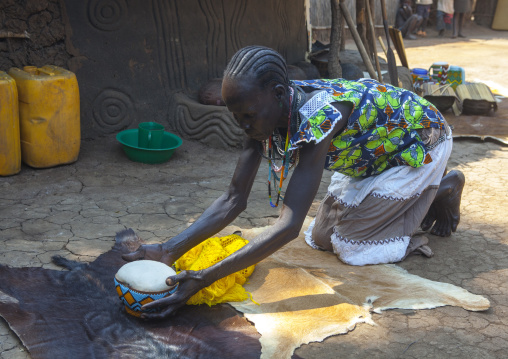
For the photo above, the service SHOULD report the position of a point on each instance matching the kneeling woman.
(388, 149)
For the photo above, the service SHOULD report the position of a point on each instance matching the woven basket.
(443, 97)
(476, 99)
(442, 103)
(477, 107)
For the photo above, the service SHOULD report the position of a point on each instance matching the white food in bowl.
(145, 276)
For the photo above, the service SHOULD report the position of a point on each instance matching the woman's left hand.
(189, 283)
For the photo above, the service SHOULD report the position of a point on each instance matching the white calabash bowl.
(141, 282)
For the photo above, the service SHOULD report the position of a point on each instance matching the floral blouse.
(380, 132)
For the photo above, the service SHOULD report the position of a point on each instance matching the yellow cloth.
(206, 254)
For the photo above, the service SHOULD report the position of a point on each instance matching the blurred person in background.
(444, 17)
(461, 8)
(423, 9)
(407, 22)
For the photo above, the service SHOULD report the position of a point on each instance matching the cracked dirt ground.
(75, 211)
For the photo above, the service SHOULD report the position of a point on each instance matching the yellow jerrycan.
(49, 115)
(10, 150)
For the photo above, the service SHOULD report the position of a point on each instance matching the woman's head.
(262, 63)
(255, 89)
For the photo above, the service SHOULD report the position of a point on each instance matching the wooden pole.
(370, 5)
(342, 34)
(361, 24)
(382, 44)
(334, 68)
(373, 42)
(358, 41)
(390, 57)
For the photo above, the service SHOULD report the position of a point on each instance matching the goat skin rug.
(306, 295)
(303, 296)
(77, 314)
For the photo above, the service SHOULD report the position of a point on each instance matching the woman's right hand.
(154, 252)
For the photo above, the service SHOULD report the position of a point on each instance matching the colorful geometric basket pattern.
(442, 73)
(134, 300)
(456, 76)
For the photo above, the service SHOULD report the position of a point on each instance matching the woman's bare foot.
(444, 213)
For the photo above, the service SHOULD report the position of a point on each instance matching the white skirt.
(398, 187)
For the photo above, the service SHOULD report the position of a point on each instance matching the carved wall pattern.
(107, 15)
(221, 30)
(209, 124)
(139, 59)
(112, 110)
(170, 47)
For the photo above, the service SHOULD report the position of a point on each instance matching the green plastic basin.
(129, 141)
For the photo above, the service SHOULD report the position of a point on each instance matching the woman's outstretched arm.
(220, 213)
(298, 198)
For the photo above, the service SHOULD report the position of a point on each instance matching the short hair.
(262, 63)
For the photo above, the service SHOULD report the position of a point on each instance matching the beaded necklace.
(275, 146)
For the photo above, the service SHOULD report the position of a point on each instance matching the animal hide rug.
(77, 314)
(306, 295)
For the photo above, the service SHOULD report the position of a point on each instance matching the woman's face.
(256, 109)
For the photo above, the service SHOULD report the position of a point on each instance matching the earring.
(280, 104)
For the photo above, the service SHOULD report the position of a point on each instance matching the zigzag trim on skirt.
(400, 199)
(438, 142)
(376, 243)
(342, 202)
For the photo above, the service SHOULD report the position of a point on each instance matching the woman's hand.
(189, 283)
(155, 252)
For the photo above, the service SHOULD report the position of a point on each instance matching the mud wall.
(41, 20)
(133, 57)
